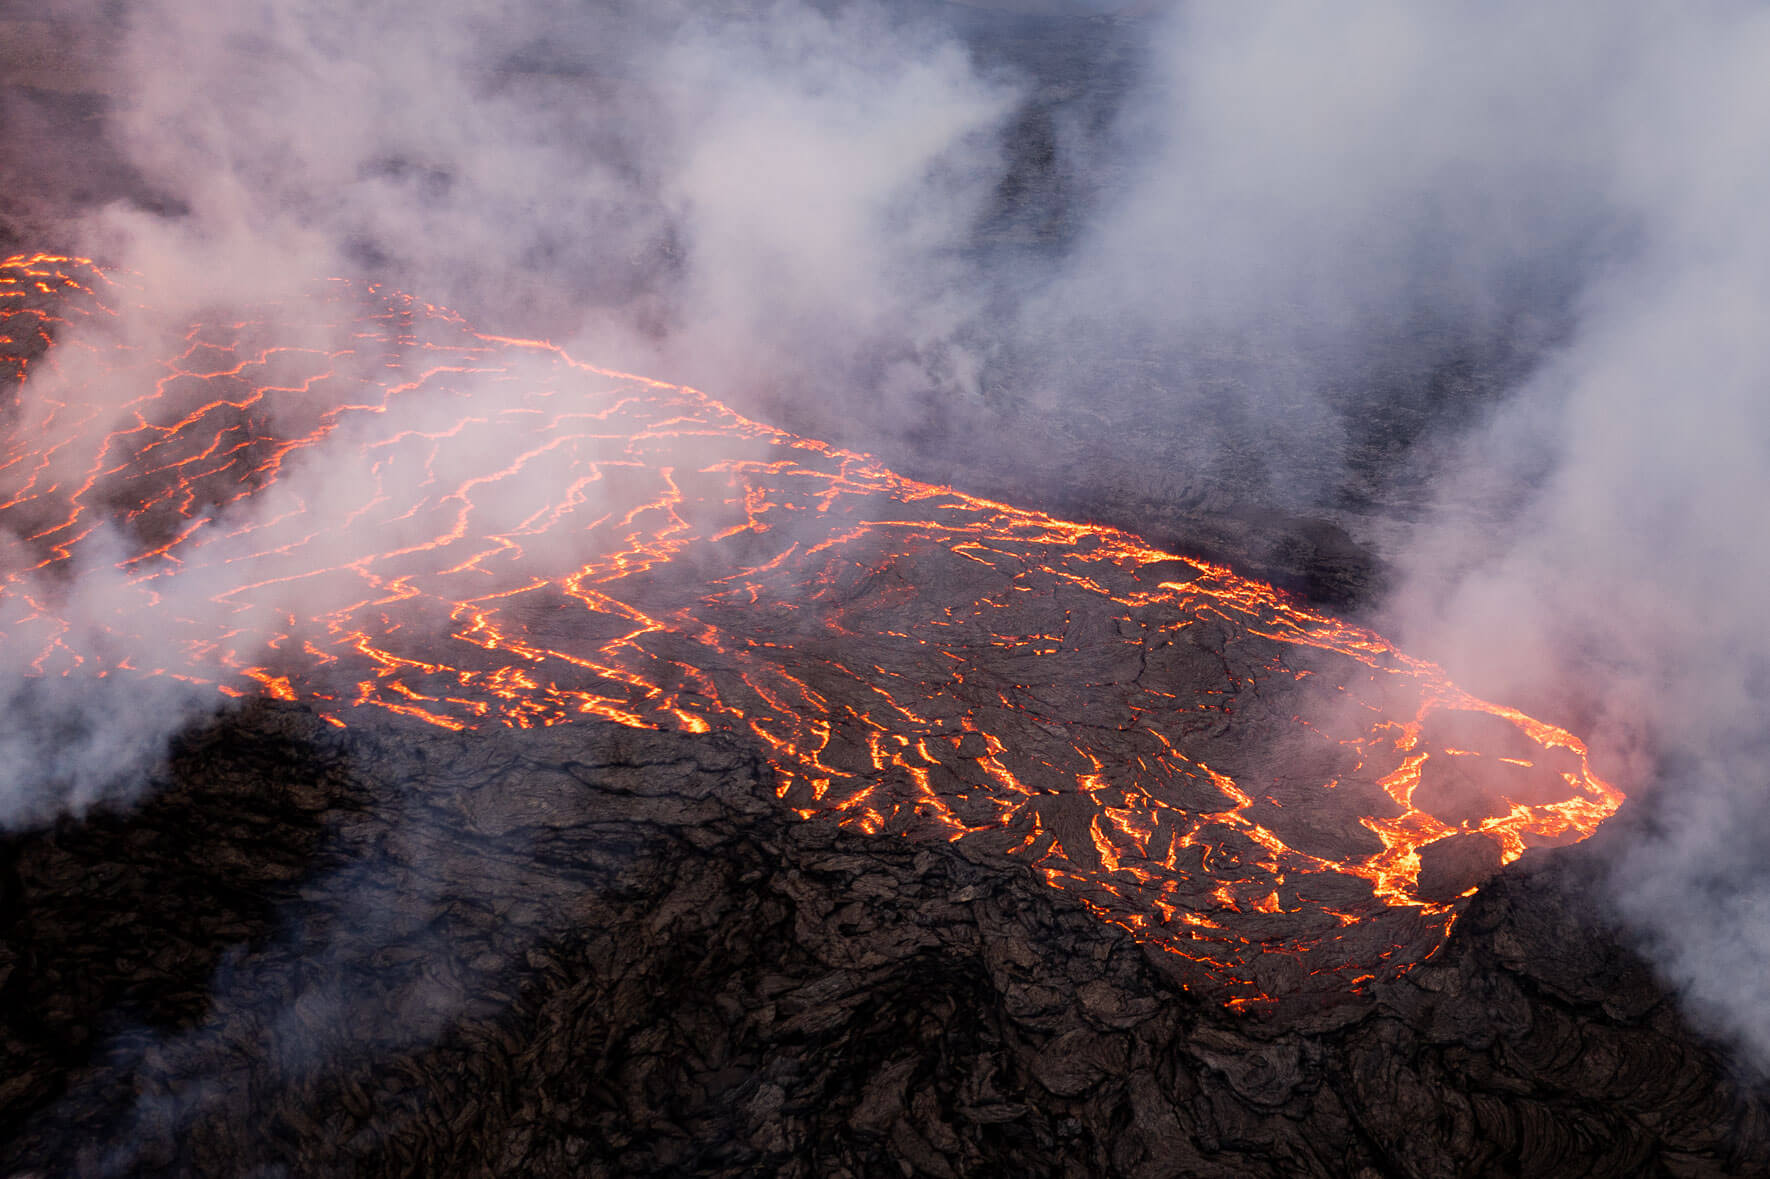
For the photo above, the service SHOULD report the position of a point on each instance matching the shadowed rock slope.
(603, 951)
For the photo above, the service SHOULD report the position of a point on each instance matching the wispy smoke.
(776, 193)
(1483, 284)
(1321, 205)
(756, 192)
(1626, 574)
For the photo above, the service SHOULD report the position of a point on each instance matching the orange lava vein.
(469, 529)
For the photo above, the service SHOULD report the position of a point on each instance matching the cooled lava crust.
(355, 501)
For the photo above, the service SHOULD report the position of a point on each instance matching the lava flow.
(357, 501)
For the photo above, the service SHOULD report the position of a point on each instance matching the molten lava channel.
(359, 502)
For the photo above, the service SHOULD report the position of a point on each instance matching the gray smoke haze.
(793, 184)
(764, 191)
(1482, 284)
(1620, 549)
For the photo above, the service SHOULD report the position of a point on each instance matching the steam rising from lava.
(1482, 285)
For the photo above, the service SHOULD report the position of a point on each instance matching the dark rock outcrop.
(593, 950)
(1451, 865)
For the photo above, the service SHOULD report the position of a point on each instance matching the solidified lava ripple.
(357, 501)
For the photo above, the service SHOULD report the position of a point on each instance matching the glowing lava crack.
(360, 502)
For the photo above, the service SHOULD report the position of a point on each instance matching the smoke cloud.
(1482, 285)
(1625, 569)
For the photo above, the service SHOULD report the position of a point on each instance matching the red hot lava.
(398, 512)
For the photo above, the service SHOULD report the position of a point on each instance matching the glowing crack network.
(359, 502)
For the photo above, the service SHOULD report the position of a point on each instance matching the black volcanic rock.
(1450, 866)
(590, 950)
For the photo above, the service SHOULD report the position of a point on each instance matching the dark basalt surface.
(589, 950)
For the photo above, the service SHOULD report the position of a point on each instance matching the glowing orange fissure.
(524, 539)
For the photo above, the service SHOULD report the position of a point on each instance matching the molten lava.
(360, 502)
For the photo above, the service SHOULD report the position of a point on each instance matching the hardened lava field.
(357, 501)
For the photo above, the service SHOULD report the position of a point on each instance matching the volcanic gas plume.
(472, 529)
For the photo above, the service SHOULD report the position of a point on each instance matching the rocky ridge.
(605, 951)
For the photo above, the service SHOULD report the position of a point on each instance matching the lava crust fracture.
(357, 501)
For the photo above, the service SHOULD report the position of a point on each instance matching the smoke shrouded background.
(1484, 287)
